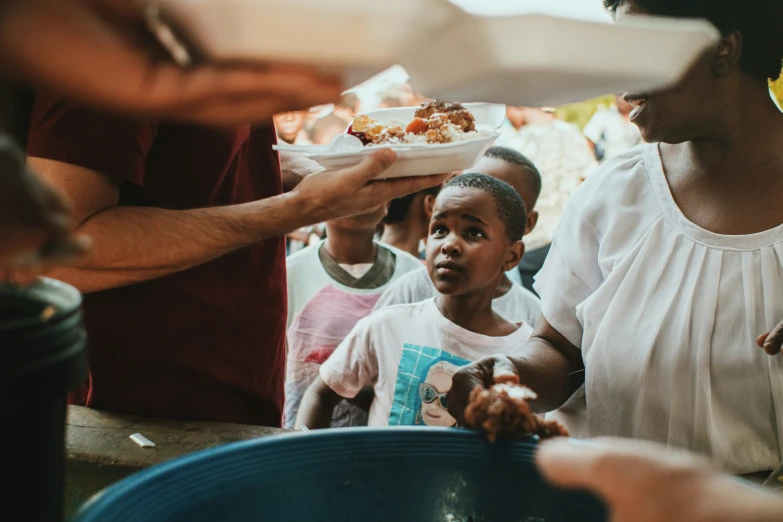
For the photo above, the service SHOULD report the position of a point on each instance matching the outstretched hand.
(482, 374)
(114, 62)
(361, 189)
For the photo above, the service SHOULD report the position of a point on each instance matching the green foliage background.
(580, 113)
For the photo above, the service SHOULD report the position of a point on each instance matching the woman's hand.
(646, 482)
(772, 341)
(483, 373)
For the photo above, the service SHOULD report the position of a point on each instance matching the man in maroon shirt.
(185, 284)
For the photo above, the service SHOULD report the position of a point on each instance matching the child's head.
(362, 223)
(475, 234)
(519, 172)
(414, 209)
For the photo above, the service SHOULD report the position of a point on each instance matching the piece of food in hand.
(435, 122)
(503, 412)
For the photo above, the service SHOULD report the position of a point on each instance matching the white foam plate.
(356, 37)
(543, 60)
(418, 159)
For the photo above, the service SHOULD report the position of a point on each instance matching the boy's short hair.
(400, 207)
(532, 175)
(510, 207)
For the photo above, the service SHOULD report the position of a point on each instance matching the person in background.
(563, 157)
(666, 266)
(346, 108)
(408, 221)
(624, 472)
(290, 127)
(611, 132)
(408, 353)
(512, 301)
(331, 286)
(327, 128)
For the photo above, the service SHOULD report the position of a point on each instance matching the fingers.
(610, 467)
(772, 341)
(504, 371)
(462, 384)
(369, 169)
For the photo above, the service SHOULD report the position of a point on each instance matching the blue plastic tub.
(347, 475)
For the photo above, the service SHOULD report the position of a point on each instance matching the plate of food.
(437, 137)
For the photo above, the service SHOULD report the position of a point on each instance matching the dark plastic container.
(347, 475)
(42, 343)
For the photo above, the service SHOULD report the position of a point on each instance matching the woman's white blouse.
(667, 314)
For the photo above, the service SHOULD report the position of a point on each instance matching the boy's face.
(467, 248)
(362, 222)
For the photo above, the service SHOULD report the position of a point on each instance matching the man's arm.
(317, 406)
(133, 244)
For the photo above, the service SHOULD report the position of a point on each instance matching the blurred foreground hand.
(646, 482)
(36, 229)
(100, 52)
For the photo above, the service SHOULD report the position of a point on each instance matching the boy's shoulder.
(303, 257)
(395, 314)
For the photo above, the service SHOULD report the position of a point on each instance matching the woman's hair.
(759, 21)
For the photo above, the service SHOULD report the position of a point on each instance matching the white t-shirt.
(321, 313)
(306, 276)
(409, 353)
(614, 131)
(666, 314)
(518, 305)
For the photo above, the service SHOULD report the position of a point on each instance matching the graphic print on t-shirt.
(423, 380)
(321, 325)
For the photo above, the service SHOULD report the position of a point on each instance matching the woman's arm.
(550, 365)
(317, 406)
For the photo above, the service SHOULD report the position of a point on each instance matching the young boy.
(512, 301)
(331, 286)
(408, 353)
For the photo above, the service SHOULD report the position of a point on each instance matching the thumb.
(571, 463)
(370, 168)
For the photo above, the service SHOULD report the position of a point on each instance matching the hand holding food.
(772, 341)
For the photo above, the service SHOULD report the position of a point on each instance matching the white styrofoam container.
(356, 37)
(543, 60)
(419, 160)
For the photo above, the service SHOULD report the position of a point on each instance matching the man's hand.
(772, 341)
(483, 373)
(646, 482)
(36, 228)
(113, 62)
(357, 190)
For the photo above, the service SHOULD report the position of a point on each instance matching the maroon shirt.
(207, 343)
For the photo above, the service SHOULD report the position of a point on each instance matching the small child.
(408, 353)
(331, 285)
(513, 301)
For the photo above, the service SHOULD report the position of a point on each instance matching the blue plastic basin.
(347, 475)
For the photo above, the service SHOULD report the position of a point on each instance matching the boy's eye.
(439, 230)
(475, 233)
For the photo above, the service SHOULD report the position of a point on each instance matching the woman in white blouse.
(668, 263)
